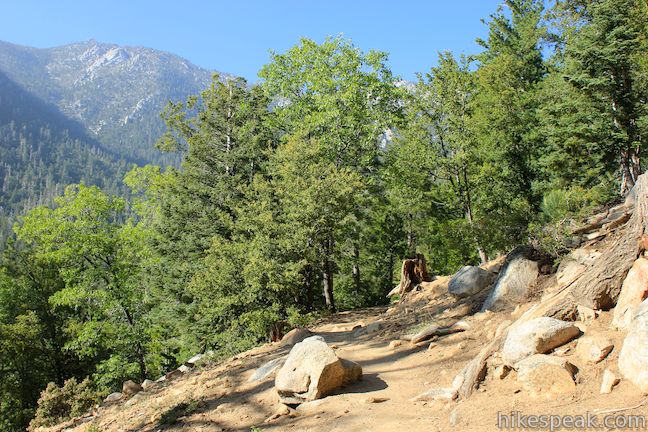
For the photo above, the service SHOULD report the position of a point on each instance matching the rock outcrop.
(312, 371)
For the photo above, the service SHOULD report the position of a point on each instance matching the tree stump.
(413, 272)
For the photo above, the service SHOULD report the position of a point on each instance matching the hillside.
(42, 152)
(418, 386)
(115, 92)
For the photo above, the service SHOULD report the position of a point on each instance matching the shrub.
(58, 404)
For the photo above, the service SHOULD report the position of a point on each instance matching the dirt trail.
(220, 398)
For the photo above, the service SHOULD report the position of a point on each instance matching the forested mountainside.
(42, 151)
(277, 216)
(115, 92)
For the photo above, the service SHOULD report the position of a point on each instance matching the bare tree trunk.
(411, 240)
(308, 284)
(389, 273)
(469, 217)
(356, 267)
(327, 275)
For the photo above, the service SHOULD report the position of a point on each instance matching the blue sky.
(236, 36)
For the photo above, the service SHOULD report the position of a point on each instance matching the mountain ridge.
(115, 91)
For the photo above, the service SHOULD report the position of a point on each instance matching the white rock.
(436, 394)
(633, 357)
(609, 381)
(312, 370)
(514, 282)
(267, 369)
(148, 384)
(395, 344)
(536, 336)
(193, 360)
(470, 280)
(544, 374)
(633, 292)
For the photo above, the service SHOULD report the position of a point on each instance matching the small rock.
(374, 327)
(193, 360)
(593, 349)
(114, 397)
(483, 315)
(184, 369)
(148, 384)
(501, 371)
(462, 325)
(173, 375)
(376, 399)
(432, 346)
(436, 394)
(283, 410)
(544, 374)
(536, 336)
(454, 418)
(395, 344)
(129, 388)
(586, 314)
(267, 369)
(457, 382)
(135, 399)
(609, 381)
(295, 336)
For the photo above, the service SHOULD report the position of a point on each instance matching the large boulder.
(544, 374)
(633, 292)
(515, 280)
(536, 336)
(633, 358)
(469, 280)
(312, 371)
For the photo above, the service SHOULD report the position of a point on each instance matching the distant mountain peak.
(116, 92)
